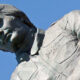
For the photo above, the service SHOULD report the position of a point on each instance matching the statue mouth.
(5, 35)
(6, 38)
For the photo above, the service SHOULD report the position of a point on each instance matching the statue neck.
(30, 46)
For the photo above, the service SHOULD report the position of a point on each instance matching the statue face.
(12, 33)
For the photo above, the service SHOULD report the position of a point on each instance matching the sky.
(42, 14)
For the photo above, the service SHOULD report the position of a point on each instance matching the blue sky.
(42, 13)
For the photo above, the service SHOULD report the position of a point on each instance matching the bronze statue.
(16, 31)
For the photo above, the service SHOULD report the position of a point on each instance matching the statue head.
(15, 29)
(18, 34)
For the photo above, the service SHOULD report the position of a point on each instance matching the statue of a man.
(50, 55)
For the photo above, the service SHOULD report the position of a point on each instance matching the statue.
(53, 54)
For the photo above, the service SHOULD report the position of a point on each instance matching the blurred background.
(42, 14)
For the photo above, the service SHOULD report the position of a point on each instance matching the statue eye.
(1, 22)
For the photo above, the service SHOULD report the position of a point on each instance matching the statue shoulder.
(24, 71)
